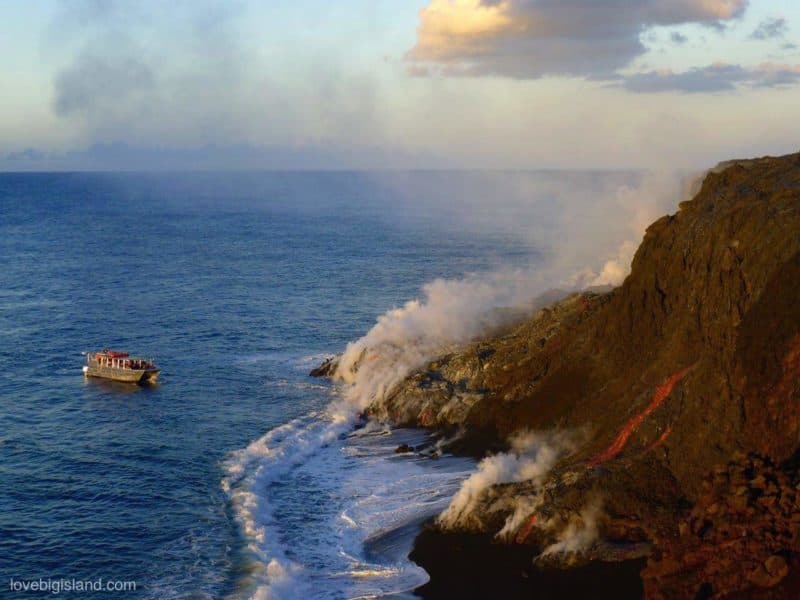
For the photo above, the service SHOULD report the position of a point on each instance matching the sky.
(406, 84)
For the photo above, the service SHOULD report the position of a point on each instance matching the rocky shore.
(651, 428)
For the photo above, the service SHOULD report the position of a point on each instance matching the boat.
(120, 366)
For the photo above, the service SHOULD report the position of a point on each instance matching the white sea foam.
(249, 474)
(323, 512)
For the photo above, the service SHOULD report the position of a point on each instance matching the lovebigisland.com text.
(60, 585)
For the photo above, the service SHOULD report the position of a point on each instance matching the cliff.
(644, 393)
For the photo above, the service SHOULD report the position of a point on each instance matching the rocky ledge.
(662, 406)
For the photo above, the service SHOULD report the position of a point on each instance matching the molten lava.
(662, 438)
(662, 393)
(526, 529)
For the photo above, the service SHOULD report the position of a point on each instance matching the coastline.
(465, 565)
(609, 417)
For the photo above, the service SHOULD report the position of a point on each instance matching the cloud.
(536, 38)
(94, 81)
(192, 74)
(678, 38)
(151, 67)
(718, 77)
(771, 29)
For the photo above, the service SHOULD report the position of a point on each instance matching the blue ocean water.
(237, 283)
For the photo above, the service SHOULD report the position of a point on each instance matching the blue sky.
(397, 83)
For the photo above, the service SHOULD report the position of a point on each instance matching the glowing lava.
(662, 393)
(526, 529)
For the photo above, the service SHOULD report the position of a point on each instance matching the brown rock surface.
(694, 358)
(741, 538)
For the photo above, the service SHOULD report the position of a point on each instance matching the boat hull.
(124, 375)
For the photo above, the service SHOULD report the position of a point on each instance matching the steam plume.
(532, 457)
(404, 339)
(580, 532)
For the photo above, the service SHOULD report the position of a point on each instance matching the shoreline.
(474, 566)
(649, 420)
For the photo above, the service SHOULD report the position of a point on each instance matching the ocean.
(233, 477)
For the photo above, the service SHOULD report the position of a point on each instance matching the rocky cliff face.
(695, 358)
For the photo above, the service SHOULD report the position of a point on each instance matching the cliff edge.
(665, 411)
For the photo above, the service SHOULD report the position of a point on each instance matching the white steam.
(588, 239)
(641, 205)
(532, 457)
(524, 508)
(580, 532)
(592, 242)
(451, 312)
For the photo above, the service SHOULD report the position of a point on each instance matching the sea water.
(233, 477)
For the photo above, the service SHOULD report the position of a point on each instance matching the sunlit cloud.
(536, 38)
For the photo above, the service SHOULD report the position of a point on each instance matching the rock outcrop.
(695, 359)
(741, 537)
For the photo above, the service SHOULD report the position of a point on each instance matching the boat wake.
(330, 511)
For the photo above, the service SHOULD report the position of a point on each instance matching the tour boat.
(120, 366)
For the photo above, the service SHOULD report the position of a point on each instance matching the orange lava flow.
(659, 441)
(526, 529)
(662, 393)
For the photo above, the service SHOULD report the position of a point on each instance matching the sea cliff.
(651, 431)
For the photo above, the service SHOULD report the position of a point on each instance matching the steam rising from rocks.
(452, 312)
(580, 532)
(532, 457)
(638, 206)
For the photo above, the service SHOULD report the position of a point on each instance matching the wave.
(329, 511)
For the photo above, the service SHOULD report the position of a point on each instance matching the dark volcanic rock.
(327, 368)
(694, 358)
(501, 371)
(473, 566)
(742, 537)
(714, 289)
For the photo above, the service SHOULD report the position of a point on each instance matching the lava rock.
(327, 368)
